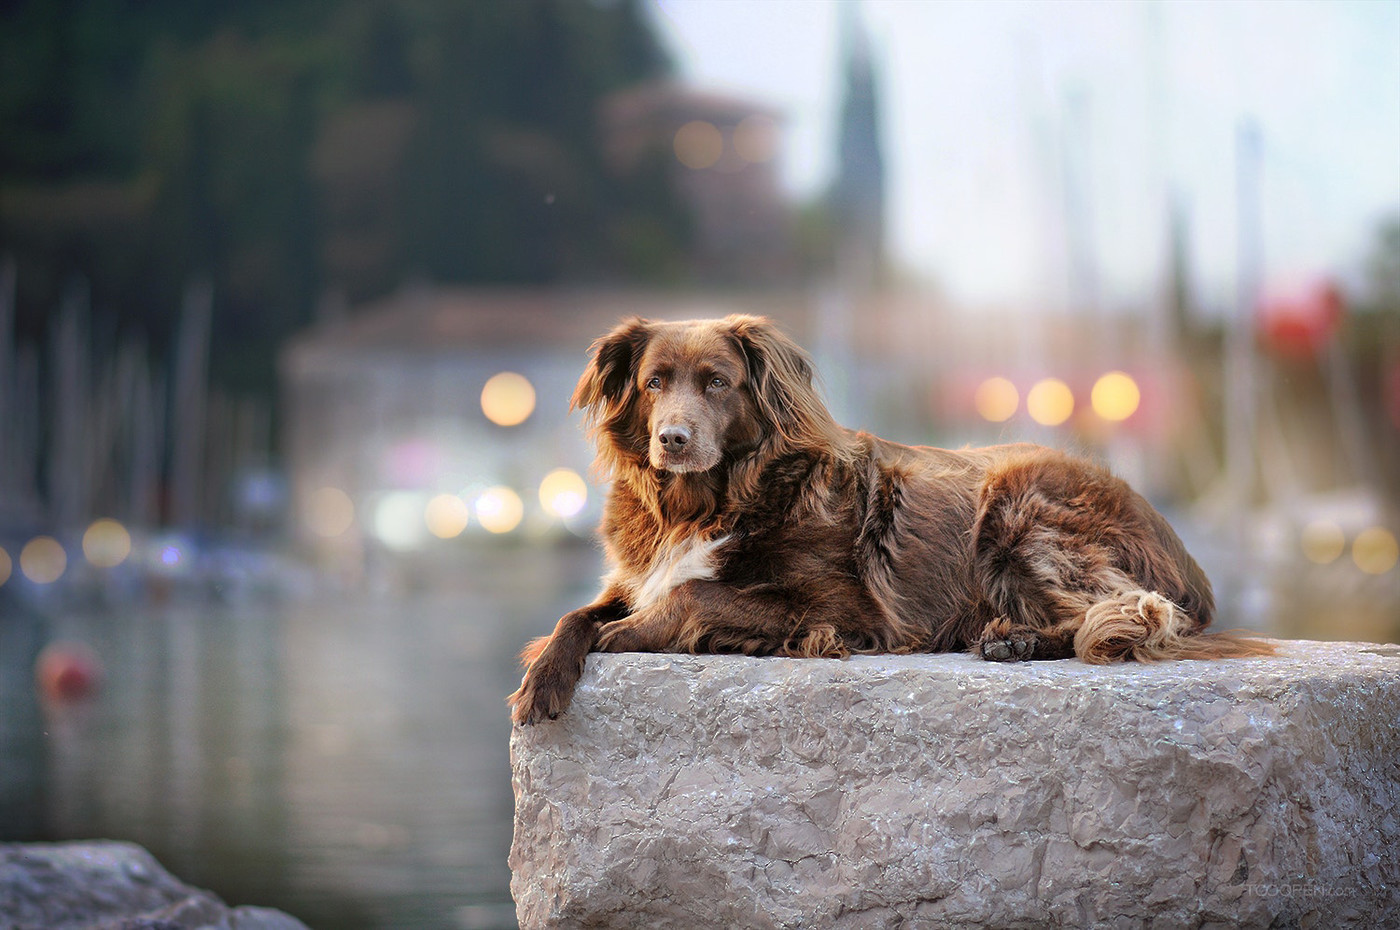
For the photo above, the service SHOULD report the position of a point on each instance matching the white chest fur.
(691, 559)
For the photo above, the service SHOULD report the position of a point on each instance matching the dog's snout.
(674, 437)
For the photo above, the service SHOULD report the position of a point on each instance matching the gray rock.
(111, 886)
(943, 791)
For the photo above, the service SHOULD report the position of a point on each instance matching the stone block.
(944, 791)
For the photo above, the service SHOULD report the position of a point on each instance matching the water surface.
(344, 758)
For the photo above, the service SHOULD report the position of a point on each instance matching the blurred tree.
(858, 192)
(282, 146)
(507, 182)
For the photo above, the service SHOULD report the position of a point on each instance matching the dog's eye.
(718, 383)
(653, 384)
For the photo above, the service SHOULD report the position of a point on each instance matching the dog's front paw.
(1001, 642)
(620, 636)
(544, 694)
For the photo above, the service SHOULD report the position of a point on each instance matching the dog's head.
(683, 397)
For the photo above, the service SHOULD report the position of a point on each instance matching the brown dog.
(743, 519)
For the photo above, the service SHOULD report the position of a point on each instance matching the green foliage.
(283, 146)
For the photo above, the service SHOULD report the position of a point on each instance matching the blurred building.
(462, 393)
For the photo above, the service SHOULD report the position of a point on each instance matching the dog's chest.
(691, 559)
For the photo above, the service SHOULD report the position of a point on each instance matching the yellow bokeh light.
(508, 399)
(499, 509)
(756, 138)
(1115, 396)
(5, 566)
(1323, 541)
(563, 493)
(699, 144)
(42, 560)
(329, 512)
(446, 515)
(106, 543)
(996, 400)
(1050, 402)
(1375, 550)
(398, 519)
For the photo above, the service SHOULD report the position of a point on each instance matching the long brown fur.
(741, 518)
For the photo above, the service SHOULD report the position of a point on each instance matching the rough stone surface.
(111, 886)
(938, 791)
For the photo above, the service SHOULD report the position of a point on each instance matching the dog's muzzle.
(674, 448)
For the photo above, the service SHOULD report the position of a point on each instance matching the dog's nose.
(674, 437)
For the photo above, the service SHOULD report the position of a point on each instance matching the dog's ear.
(610, 372)
(780, 377)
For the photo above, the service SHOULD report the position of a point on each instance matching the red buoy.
(67, 671)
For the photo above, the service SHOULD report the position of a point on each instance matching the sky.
(996, 113)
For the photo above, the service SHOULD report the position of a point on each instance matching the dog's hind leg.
(1003, 641)
(1041, 559)
(1072, 562)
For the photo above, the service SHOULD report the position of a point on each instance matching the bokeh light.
(563, 493)
(996, 400)
(1375, 550)
(1115, 396)
(499, 509)
(171, 555)
(106, 543)
(398, 519)
(1323, 541)
(699, 144)
(756, 138)
(42, 560)
(6, 567)
(508, 399)
(1050, 402)
(328, 512)
(446, 516)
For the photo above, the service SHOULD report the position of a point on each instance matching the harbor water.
(343, 758)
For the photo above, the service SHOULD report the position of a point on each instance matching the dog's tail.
(1146, 627)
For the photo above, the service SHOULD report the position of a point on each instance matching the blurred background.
(293, 295)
